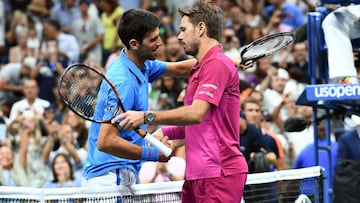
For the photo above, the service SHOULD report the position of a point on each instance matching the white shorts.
(115, 177)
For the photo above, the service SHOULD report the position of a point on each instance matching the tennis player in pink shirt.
(216, 170)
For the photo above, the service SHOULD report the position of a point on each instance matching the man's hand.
(131, 119)
(158, 134)
(237, 61)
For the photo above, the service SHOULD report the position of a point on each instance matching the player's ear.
(201, 28)
(134, 44)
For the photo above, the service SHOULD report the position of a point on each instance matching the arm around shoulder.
(181, 68)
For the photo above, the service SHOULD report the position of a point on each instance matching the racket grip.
(155, 142)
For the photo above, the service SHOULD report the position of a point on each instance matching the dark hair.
(135, 24)
(53, 23)
(207, 13)
(247, 101)
(67, 159)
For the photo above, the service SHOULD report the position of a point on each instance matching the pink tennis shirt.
(212, 147)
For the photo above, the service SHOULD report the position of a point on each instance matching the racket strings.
(268, 46)
(79, 88)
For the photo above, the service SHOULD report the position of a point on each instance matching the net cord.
(41, 194)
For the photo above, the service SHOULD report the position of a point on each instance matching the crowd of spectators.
(38, 38)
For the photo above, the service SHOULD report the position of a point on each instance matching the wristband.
(149, 154)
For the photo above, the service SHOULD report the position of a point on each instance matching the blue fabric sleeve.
(156, 69)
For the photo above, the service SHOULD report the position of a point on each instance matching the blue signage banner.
(333, 92)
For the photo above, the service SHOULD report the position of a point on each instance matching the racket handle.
(155, 142)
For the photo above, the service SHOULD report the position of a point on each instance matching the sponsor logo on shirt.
(210, 86)
(211, 95)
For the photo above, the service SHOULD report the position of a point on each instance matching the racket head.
(266, 46)
(82, 88)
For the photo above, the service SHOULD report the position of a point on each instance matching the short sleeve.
(212, 82)
(156, 69)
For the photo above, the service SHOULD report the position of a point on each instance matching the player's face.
(188, 37)
(149, 47)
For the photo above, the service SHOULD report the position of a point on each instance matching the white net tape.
(153, 192)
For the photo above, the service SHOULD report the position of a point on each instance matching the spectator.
(66, 12)
(48, 68)
(19, 22)
(237, 23)
(30, 102)
(66, 46)
(166, 27)
(12, 77)
(300, 60)
(112, 56)
(172, 87)
(38, 11)
(251, 110)
(63, 175)
(80, 130)
(2, 32)
(89, 32)
(109, 18)
(129, 4)
(31, 145)
(272, 88)
(13, 135)
(348, 143)
(19, 5)
(275, 23)
(174, 50)
(261, 72)
(265, 125)
(252, 15)
(172, 9)
(294, 86)
(253, 33)
(230, 42)
(18, 52)
(12, 172)
(61, 140)
(292, 14)
(33, 42)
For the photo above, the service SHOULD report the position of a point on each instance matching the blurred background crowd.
(44, 144)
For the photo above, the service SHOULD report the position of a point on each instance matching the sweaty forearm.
(109, 142)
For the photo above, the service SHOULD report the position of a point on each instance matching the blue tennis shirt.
(132, 86)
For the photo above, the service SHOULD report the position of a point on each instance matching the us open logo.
(333, 92)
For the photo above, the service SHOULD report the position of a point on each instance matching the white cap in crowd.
(29, 62)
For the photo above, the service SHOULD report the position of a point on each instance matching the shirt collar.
(139, 74)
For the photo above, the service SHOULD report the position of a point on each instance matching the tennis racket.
(79, 87)
(265, 46)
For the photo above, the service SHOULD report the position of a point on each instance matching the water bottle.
(52, 66)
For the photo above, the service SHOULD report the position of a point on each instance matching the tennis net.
(280, 186)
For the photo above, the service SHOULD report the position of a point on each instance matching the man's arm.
(109, 142)
(185, 115)
(4, 85)
(181, 68)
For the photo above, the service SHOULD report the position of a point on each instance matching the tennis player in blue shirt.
(115, 156)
